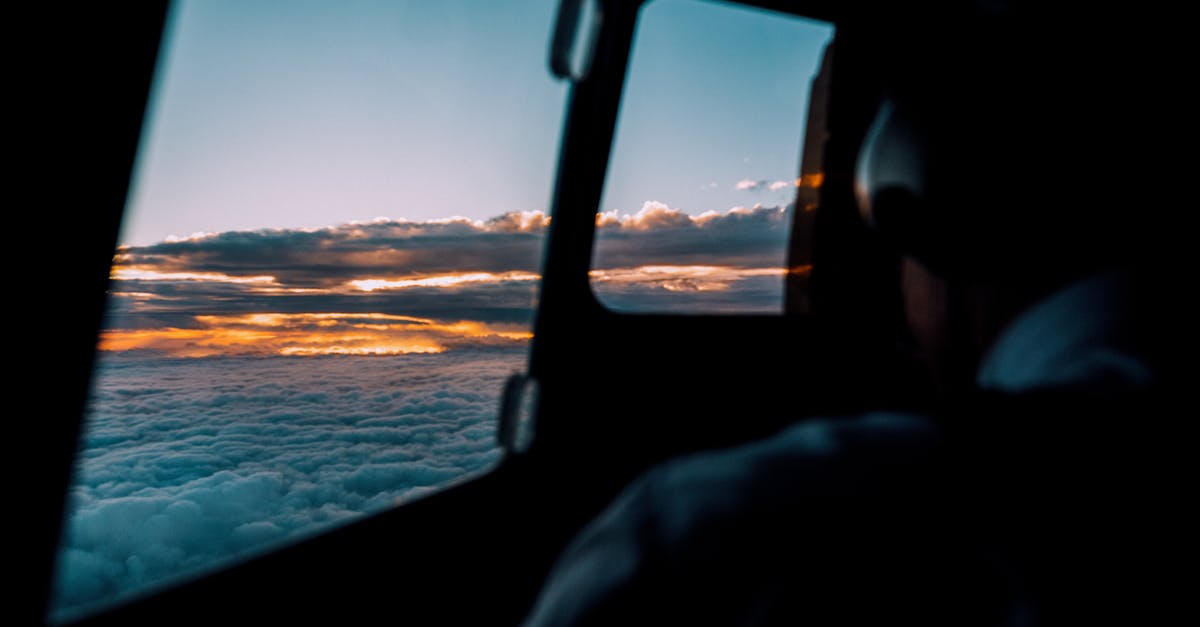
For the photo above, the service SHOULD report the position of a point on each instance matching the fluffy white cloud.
(749, 184)
(187, 463)
(753, 185)
(754, 237)
(652, 216)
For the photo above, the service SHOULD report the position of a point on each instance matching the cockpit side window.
(326, 272)
(706, 177)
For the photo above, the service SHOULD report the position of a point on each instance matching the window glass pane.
(277, 357)
(705, 173)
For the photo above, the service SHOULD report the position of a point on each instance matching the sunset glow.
(396, 287)
(128, 273)
(801, 270)
(814, 180)
(310, 334)
(443, 280)
(138, 295)
(308, 351)
(691, 278)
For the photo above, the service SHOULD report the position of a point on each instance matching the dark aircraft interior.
(478, 553)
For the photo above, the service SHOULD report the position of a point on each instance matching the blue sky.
(716, 95)
(306, 114)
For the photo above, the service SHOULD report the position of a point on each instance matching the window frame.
(798, 244)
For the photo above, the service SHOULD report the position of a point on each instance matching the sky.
(313, 163)
(714, 107)
(274, 114)
(277, 113)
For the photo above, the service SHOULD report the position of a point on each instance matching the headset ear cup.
(890, 178)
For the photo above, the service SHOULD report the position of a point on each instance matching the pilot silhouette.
(999, 507)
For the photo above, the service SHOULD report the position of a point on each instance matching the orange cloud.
(204, 342)
(652, 215)
(440, 280)
(803, 270)
(307, 334)
(139, 296)
(135, 273)
(813, 180)
(683, 278)
(264, 284)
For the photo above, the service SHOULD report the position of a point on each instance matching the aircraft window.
(277, 359)
(704, 179)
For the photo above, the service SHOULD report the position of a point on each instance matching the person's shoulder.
(1085, 334)
(852, 456)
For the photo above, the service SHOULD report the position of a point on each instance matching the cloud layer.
(662, 259)
(393, 255)
(659, 235)
(188, 463)
(753, 185)
(308, 334)
(193, 296)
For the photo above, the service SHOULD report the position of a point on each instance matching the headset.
(974, 161)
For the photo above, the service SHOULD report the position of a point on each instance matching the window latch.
(575, 33)
(517, 413)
